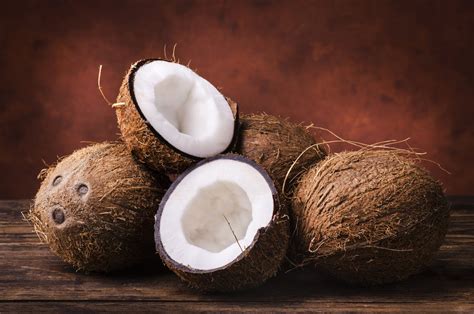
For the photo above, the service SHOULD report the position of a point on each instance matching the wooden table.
(31, 278)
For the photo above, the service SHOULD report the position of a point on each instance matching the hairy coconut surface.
(255, 264)
(276, 144)
(146, 144)
(368, 217)
(95, 208)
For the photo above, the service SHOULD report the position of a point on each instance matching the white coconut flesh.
(214, 213)
(184, 108)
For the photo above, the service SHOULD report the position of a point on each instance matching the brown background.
(368, 70)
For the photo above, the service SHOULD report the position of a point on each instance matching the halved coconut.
(169, 116)
(221, 225)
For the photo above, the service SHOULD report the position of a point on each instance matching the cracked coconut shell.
(257, 263)
(95, 208)
(143, 141)
(368, 217)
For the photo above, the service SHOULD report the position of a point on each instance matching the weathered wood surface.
(31, 278)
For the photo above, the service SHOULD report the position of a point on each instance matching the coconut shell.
(368, 217)
(275, 144)
(146, 144)
(95, 208)
(256, 264)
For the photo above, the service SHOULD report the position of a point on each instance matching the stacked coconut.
(225, 223)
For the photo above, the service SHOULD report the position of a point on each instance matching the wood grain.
(32, 278)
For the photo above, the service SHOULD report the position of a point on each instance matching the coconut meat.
(214, 213)
(184, 108)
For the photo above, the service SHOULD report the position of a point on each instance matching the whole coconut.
(276, 144)
(368, 217)
(95, 208)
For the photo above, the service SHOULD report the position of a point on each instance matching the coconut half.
(169, 116)
(221, 225)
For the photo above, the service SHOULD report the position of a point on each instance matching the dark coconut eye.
(58, 216)
(82, 189)
(57, 180)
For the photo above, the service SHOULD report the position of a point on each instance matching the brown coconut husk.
(95, 208)
(257, 263)
(145, 143)
(283, 148)
(368, 216)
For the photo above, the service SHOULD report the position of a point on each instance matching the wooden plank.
(461, 202)
(275, 306)
(31, 276)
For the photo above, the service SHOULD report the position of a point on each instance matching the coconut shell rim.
(131, 90)
(180, 267)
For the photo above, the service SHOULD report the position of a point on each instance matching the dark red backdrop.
(368, 70)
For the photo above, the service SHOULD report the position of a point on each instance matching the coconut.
(278, 145)
(222, 226)
(368, 217)
(95, 208)
(170, 117)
